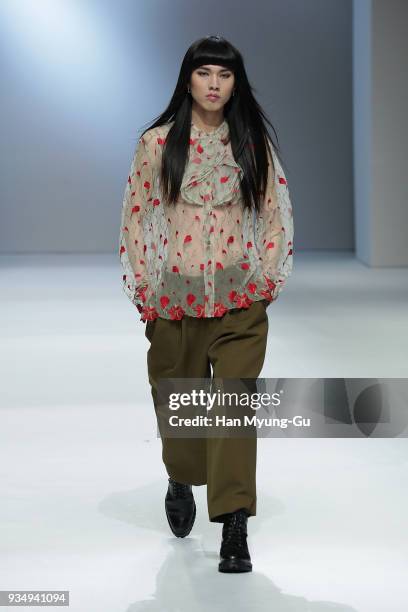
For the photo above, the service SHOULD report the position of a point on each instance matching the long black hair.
(245, 118)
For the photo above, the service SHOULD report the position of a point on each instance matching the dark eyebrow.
(221, 70)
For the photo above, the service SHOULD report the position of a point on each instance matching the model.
(206, 245)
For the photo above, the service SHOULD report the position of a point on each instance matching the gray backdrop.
(81, 79)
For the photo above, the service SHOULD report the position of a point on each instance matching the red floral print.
(207, 254)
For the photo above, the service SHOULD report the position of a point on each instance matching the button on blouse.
(208, 253)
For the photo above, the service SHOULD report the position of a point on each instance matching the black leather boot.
(234, 553)
(180, 508)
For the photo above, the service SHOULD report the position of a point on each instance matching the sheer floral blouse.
(208, 253)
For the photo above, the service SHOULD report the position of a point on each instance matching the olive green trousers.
(234, 345)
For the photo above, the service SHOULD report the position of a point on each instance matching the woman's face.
(211, 79)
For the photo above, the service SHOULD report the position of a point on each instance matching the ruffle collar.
(212, 174)
(221, 132)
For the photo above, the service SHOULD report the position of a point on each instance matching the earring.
(188, 89)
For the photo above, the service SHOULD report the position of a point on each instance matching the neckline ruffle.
(212, 174)
(220, 132)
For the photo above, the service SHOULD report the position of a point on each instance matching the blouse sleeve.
(132, 247)
(275, 228)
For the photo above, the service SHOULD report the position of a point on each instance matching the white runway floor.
(83, 484)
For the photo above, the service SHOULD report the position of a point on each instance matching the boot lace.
(179, 489)
(234, 530)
